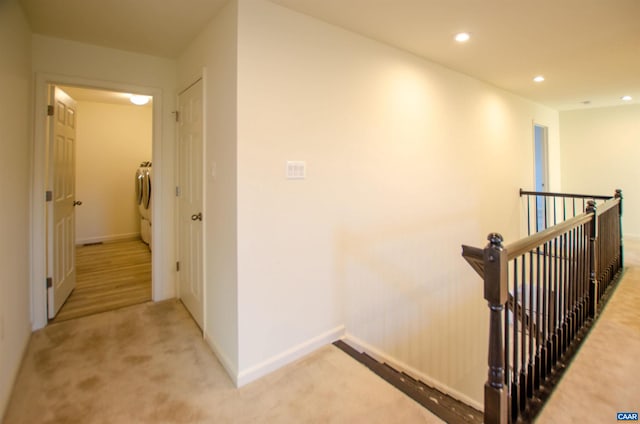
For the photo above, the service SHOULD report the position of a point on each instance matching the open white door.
(61, 269)
(190, 231)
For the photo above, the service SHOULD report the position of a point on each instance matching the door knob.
(77, 203)
(197, 217)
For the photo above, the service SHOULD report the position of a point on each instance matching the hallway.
(148, 364)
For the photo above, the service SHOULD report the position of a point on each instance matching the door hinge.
(49, 110)
(177, 191)
(177, 113)
(49, 282)
(48, 196)
(178, 266)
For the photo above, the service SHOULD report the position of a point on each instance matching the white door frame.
(38, 184)
(545, 154)
(541, 204)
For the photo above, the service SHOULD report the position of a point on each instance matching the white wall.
(601, 153)
(112, 141)
(74, 63)
(15, 86)
(406, 161)
(215, 49)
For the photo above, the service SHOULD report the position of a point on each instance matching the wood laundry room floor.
(109, 276)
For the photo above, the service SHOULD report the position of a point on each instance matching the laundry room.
(113, 139)
(112, 207)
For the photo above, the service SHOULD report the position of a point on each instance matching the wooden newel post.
(495, 292)
(593, 258)
(619, 196)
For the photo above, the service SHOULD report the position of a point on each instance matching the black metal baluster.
(528, 215)
(565, 294)
(574, 206)
(593, 282)
(574, 282)
(508, 369)
(570, 285)
(561, 298)
(546, 318)
(554, 306)
(506, 331)
(523, 347)
(531, 354)
(545, 217)
(583, 275)
(557, 298)
(515, 392)
(538, 326)
(537, 220)
(580, 277)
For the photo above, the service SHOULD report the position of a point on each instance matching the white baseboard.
(402, 367)
(226, 364)
(108, 238)
(255, 372)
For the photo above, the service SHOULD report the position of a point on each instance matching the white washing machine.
(143, 200)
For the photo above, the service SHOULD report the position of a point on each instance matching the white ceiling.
(156, 27)
(588, 50)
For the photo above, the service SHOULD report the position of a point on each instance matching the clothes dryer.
(143, 200)
(149, 202)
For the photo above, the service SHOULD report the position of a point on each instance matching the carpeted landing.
(149, 364)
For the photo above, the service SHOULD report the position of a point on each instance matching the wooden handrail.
(527, 244)
(608, 205)
(475, 257)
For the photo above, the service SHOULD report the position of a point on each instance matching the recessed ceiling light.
(462, 37)
(139, 100)
(626, 98)
(539, 78)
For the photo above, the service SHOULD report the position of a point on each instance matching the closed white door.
(190, 210)
(61, 269)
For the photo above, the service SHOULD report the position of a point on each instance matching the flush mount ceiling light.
(462, 37)
(139, 100)
(538, 78)
(626, 98)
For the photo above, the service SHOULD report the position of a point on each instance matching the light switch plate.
(296, 170)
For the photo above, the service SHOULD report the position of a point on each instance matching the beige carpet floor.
(149, 364)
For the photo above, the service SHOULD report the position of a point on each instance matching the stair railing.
(544, 209)
(543, 292)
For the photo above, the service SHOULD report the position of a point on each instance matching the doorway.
(111, 244)
(541, 170)
(162, 237)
